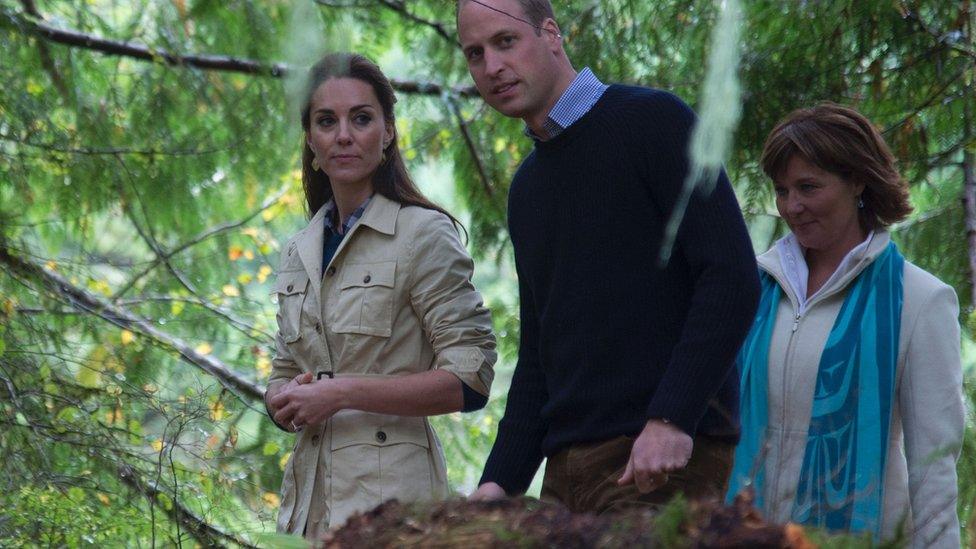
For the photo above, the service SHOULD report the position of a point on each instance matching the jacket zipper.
(797, 317)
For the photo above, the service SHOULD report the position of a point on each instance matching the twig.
(83, 300)
(209, 233)
(201, 61)
(463, 125)
(400, 7)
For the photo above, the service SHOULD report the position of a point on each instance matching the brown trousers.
(584, 477)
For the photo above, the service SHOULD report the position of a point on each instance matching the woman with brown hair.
(379, 325)
(851, 380)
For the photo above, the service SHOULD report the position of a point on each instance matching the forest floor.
(529, 522)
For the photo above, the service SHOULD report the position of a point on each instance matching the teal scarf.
(841, 485)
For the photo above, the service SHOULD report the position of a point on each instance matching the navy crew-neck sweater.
(608, 338)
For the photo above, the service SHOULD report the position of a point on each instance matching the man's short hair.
(536, 11)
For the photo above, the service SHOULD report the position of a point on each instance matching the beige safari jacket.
(396, 299)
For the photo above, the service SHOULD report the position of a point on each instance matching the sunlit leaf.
(270, 448)
(217, 411)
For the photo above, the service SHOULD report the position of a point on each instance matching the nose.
(794, 204)
(493, 63)
(344, 137)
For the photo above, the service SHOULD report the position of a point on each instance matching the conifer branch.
(85, 301)
(200, 61)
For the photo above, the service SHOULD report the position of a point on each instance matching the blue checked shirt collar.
(583, 92)
(329, 213)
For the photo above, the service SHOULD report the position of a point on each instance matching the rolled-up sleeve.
(453, 314)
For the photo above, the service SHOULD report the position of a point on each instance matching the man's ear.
(551, 29)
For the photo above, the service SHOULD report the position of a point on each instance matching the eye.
(326, 120)
(807, 187)
(362, 119)
(473, 54)
(780, 191)
(506, 41)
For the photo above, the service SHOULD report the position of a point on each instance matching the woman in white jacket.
(852, 413)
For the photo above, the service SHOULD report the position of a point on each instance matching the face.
(347, 131)
(820, 207)
(514, 69)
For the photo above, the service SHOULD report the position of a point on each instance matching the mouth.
(344, 157)
(503, 88)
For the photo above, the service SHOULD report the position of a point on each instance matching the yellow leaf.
(157, 445)
(284, 461)
(269, 214)
(271, 500)
(244, 278)
(127, 337)
(230, 290)
(248, 254)
(103, 498)
(177, 307)
(89, 377)
(150, 388)
(264, 366)
(235, 252)
(113, 416)
(9, 306)
(250, 231)
(51, 266)
(204, 348)
(34, 88)
(263, 273)
(217, 411)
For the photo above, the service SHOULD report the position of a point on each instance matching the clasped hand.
(660, 449)
(306, 402)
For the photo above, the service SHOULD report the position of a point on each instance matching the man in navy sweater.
(625, 378)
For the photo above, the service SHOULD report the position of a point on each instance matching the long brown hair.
(390, 178)
(842, 141)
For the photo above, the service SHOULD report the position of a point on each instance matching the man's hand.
(275, 390)
(308, 403)
(660, 449)
(488, 491)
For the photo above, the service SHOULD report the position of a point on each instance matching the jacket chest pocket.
(376, 457)
(364, 304)
(291, 287)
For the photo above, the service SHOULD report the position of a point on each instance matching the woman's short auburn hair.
(842, 141)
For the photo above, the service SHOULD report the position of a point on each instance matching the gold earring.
(315, 163)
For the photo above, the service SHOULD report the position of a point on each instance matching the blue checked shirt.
(330, 206)
(332, 237)
(582, 93)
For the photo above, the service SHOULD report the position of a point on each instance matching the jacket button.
(318, 327)
(380, 436)
(315, 439)
(330, 271)
(367, 279)
(289, 288)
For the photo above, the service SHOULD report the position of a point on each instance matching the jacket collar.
(380, 215)
(770, 262)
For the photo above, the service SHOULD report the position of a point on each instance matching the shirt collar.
(583, 92)
(330, 207)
